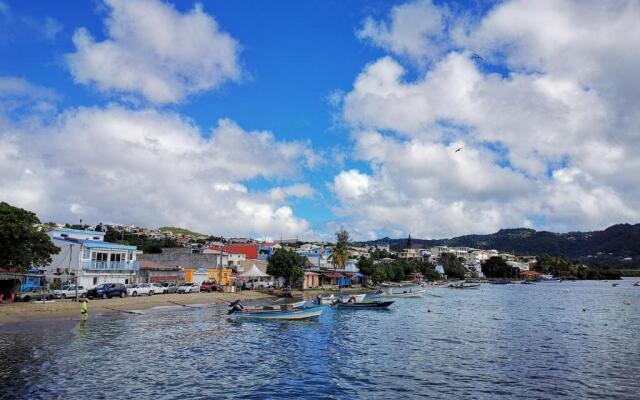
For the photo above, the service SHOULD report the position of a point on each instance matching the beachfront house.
(85, 255)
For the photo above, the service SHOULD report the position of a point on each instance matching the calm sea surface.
(512, 341)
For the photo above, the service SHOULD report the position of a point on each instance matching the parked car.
(158, 288)
(208, 287)
(108, 290)
(189, 287)
(170, 287)
(36, 293)
(69, 291)
(139, 289)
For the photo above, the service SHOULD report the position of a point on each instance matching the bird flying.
(477, 56)
(458, 149)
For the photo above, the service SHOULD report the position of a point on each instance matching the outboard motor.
(235, 306)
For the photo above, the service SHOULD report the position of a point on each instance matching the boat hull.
(381, 305)
(413, 293)
(282, 315)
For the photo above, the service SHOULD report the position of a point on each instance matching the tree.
(452, 265)
(409, 244)
(288, 265)
(22, 246)
(497, 267)
(340, 253)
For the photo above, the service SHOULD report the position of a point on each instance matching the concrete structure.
(185, 258)
(154, 272)
(311, 280)
(86, 255)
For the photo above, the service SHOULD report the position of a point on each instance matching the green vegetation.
(453, 266)
(340, 253)
(497, 267)
(396, 270)
(179, 231)
(143, 242)
(287, 264)
(22, 246)
(563, 267)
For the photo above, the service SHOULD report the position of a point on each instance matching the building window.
(86, 253)
(99, 257)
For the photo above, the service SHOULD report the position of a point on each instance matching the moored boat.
(370, 305)
(353, 298)
(464, 286)
(283, 312)
(402, 292)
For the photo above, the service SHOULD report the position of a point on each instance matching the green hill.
(618, 245)
(180, 231)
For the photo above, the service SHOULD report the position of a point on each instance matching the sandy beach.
(66, 309)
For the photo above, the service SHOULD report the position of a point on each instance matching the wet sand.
(70, 310)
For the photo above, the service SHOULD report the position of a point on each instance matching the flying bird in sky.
(477, 56)
(458, 149)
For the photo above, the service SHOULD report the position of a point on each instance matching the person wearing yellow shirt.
(84, 309)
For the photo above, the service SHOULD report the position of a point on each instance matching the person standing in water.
(84, 309)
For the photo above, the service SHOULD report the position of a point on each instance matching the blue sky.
(364, 101)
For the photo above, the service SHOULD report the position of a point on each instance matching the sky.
(289, 119)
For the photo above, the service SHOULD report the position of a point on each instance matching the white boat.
(328, 300)
(353, 298)
(403, 292)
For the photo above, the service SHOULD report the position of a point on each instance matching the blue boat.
(282, 312)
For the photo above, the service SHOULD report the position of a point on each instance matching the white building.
(85, 254)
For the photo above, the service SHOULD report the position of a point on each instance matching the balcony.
(110, 266)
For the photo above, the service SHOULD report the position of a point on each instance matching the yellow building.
(199, 275)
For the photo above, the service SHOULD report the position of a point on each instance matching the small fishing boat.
(327, 300)
(464, 286)
(353, 298)
(283, 312)
(614, 284)
(402, 292)
(636, 284)
(370, 305)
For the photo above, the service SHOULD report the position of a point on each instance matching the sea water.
(549, 340)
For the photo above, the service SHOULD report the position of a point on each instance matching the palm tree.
(340, 253)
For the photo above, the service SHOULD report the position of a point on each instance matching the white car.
(189, 287)
(158, 288)
(69, 292)
(139, 289)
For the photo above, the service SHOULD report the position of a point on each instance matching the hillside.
(612, 246)
(180, 231)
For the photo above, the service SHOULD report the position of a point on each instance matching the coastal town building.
(85, 255)
(186, 258)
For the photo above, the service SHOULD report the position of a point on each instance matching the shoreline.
(70, 310)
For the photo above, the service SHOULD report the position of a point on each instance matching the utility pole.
(77, 268)
(220, 270)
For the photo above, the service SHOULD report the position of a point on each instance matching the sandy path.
(19, 312)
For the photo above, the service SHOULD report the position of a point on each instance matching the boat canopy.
(253, 272)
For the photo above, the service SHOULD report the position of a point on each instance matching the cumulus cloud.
(554, 139)
(155, 51)
(415, 30)
(151, 168)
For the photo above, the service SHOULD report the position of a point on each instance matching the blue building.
(85, 254)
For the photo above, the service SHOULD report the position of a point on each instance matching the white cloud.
(155, 51)
(351, 185)
(568, 104)
(300, 190)
(415, 29)
(152, 169)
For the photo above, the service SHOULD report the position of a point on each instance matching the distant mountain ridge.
(618, 245)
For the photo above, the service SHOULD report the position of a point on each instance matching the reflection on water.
(511, 341)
